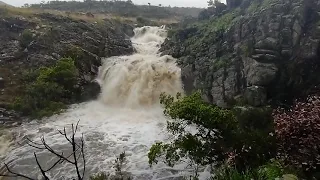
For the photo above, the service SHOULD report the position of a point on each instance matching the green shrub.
(119, 174)
(243, 138)
(99, 176)
(255, 136)
(226, 172)
(254, 7)
(26, 38)
(73, 52)
(203, 146)
(50, 91)
(270, 171)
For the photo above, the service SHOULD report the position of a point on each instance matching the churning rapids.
(126, 117)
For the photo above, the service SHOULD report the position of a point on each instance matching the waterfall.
(126, 117)
(139, 79)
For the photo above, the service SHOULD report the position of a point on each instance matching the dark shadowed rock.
(255, 95)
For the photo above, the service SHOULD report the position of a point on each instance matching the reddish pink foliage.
(298, 133)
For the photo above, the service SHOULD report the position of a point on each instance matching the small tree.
(240, 137)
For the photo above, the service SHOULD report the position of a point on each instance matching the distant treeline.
(121, 8)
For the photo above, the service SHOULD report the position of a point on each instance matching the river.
(126, 117)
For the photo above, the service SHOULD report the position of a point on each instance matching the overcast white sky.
(185, 3)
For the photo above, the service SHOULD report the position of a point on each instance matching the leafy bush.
(53, 87)
(298, 133)
(255, 141)
(99, 176)
(203, 147)
(26, 38)
(119, 175)
(239, 137)
(270, 171)
(226, 172)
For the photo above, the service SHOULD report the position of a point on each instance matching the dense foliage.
(298, 133)
(270, 171)
(244, 142)
(207, 134)
(48, 89)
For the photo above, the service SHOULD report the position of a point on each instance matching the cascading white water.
(139, 79)
(127, 116)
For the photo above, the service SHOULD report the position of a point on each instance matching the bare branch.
(59, 161)
(77, 153)
(77, 127)
(74, 149)
(42, 171)
(83, 156)
(14, 174)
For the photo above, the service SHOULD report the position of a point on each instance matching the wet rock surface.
(275, 47)
(9, 118)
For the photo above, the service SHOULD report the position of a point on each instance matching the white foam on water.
(127, 117)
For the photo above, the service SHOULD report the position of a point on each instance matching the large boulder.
(259, 74)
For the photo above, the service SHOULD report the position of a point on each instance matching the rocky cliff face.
(40, 40)
(262, 50)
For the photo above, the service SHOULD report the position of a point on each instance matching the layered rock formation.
(40, 40)
(261, 51)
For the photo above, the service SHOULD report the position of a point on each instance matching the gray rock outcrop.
(269, 51)
(40, 40)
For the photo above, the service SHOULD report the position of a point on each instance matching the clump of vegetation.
(241, 138)
(272, 170)
(73, 52)
(298, 134)
(254, 7)
(245, 142)
(246, 49)
(120, 175)
(26, 38)
(48, 89)
(99, 176)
